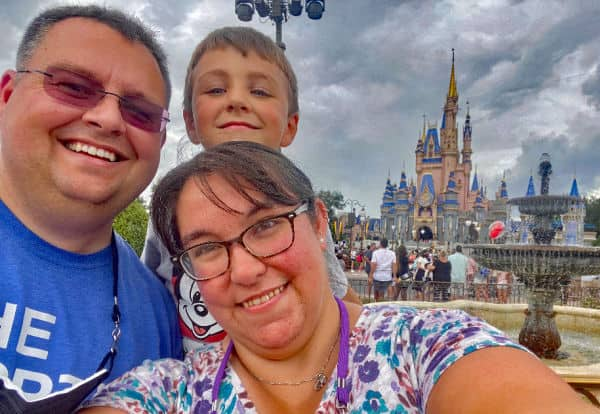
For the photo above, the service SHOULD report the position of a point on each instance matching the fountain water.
(542, 267)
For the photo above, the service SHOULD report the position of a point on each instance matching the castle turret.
(449, 131)
(503, 189)
(573, 221)
(420, 151)
(467, 131)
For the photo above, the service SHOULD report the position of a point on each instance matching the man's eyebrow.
(71, 67)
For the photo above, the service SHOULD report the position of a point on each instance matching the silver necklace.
(319, 379)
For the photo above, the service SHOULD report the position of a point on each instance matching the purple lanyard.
(343, 389)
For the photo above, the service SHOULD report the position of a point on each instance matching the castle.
(445, 203)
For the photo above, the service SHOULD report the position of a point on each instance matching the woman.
(244, 221)
(420, 264)
(441, 270)
(402, 277)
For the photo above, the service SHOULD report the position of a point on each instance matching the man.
(383, 266)
(459, 264)
(82, 123)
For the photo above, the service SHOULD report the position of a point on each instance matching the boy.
(239, 86)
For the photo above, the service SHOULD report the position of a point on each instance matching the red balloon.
(496, 230)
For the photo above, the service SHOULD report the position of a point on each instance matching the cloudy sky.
(369, 70)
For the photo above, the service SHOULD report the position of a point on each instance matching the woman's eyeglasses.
(266, 238)
(77, 90)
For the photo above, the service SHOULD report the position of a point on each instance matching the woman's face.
(263, 304)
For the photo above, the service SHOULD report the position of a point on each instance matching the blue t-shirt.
(56, 307)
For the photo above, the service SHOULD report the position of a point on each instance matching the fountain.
(542, 267)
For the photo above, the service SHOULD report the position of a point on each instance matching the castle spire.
(530, 187)
(503, 189)
(452, 91)
(475, 185)
(574, 188)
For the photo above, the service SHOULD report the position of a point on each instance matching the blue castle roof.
(475, 185)
(432, 136)
(503, 189)
(530, 187)
(403, 185)
(574, 189)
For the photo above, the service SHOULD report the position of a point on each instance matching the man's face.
(86, 160)
(237, 98)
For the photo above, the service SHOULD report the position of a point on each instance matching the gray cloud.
(368, 71)
(591, 88)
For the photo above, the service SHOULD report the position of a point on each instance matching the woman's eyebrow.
(195, 235)
(201, 233)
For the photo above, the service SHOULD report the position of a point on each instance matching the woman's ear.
(322, 222)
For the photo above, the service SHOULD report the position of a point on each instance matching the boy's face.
(237, 98)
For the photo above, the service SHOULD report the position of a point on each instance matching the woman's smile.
(264, 298)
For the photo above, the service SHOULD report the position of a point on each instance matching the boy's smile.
(240, 98)
(237, 125)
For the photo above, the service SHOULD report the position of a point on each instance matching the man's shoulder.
(134, 268)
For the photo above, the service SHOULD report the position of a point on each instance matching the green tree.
(334, 200)
(592, 214)
(131, 224)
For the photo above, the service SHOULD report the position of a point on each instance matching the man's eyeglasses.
(77, 90)
(266, 238)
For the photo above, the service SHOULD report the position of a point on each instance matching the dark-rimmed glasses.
(266, 238)
(78, 90)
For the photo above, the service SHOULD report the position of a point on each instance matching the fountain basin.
(543, 205)
(539, 265)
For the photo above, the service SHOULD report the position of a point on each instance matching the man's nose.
(106, 114)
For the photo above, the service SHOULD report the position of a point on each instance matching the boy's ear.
(290, 132)
(190, 126)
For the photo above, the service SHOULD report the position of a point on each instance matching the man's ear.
(290, 131)
(190, 126)
(7, 85)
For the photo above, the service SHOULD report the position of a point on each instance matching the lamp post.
(363, 227)
(277, 11)
(353, 203)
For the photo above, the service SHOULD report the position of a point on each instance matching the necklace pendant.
(320, 381)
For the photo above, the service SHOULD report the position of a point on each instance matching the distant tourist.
(459, 271)
(441, 269)
(383, 266)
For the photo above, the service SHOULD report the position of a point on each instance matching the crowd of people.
(431, 273)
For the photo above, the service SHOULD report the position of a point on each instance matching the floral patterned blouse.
(396, 356)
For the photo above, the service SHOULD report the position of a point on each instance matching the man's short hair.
(458, 248)
(383, 243)
(244, 40)
(128, 26)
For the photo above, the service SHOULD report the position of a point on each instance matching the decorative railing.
(569, 295)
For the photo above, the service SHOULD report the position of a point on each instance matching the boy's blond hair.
(244, 40)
